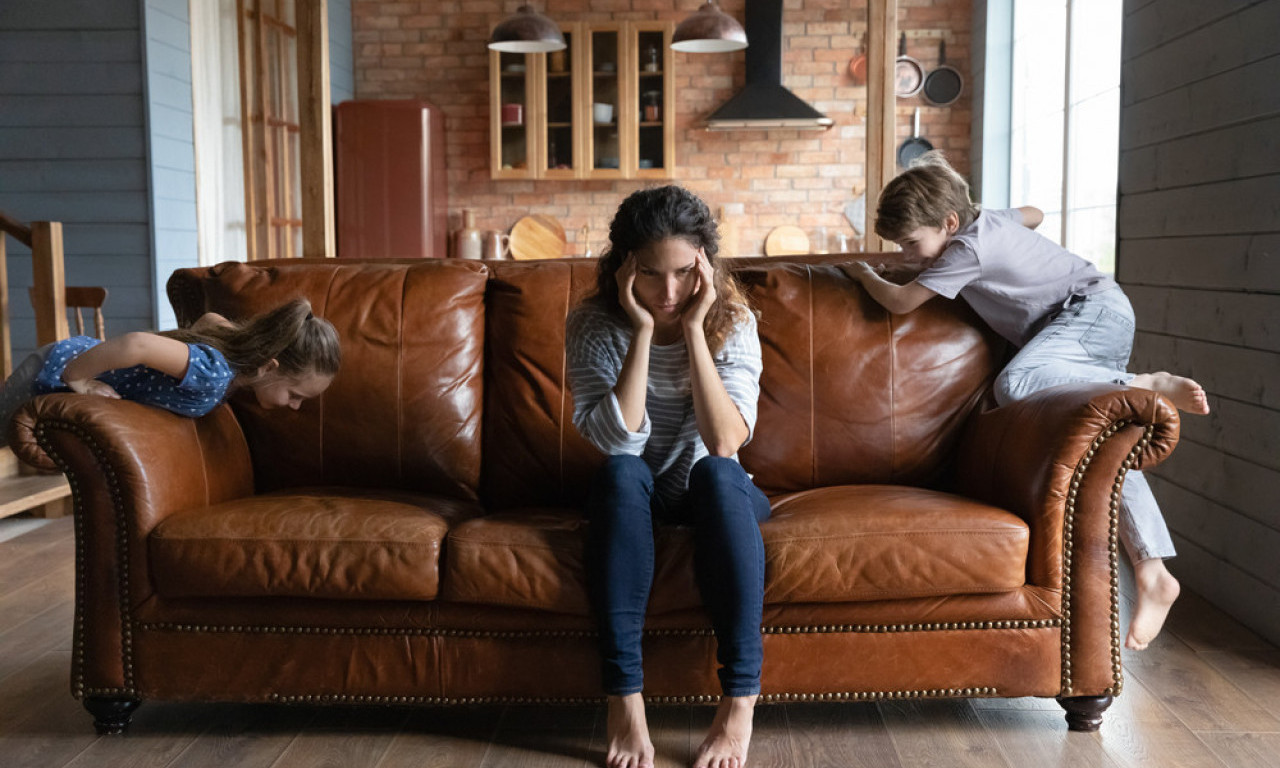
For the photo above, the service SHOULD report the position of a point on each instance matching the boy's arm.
(1031, 216)
(898, 299)
(138, 348)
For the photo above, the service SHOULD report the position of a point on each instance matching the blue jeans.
(725, 510)
(1089, 340)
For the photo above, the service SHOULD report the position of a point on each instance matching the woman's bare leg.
(1185, 393)
(730, 734)
(628, 733)
(1157, 589)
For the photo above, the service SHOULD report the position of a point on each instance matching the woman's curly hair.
(652, 215)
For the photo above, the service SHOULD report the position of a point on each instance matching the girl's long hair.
(289, 334)
(649, 216)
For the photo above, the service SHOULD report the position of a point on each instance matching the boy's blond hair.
(922, 196)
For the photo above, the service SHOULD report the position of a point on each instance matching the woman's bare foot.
(1185, 393)
(1157, 589)
(730, 734)
(628, 733)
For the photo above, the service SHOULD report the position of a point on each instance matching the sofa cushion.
(882, 542)
(839, 544)
(852, 394)
(319, 543)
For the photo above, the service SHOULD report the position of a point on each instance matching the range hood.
(764, 102)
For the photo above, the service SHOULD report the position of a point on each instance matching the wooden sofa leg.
(1084, 713)
(111, 716)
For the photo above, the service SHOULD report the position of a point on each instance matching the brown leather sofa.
(414, 535)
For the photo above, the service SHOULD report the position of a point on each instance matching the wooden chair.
(84, 297)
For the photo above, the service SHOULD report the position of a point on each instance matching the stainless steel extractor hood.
(764, 102)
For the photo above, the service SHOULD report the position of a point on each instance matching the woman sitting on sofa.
(664, 364)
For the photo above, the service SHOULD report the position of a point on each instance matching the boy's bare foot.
(628, 733)
(730, 734)
(1157, 589)
(1185, 393)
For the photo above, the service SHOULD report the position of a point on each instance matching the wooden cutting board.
(786, 240)
(537, 236)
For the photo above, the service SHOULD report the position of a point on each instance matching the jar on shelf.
(652, 106)
(651, 61)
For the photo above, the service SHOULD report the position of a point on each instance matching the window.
(1065, 120)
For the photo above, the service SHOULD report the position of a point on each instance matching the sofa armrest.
(1032, 457)
(1058, 459)
(129, 466)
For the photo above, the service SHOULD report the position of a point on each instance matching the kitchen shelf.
(564, 141)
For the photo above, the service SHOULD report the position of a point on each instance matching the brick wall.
(435, 50)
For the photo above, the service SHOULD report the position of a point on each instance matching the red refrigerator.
(389, 179)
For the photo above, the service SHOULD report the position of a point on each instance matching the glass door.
(511, 91)
(653, 101)
(559, 141)
(606, 55)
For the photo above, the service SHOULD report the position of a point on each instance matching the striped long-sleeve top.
(668, 439)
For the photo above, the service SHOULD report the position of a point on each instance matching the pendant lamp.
(709, 30)
(527, 32)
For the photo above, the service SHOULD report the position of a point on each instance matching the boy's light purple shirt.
(1012, 277)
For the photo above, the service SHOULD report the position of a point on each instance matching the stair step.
(18, 494)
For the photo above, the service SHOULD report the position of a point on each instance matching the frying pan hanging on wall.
(915, 146)
(943, 85)
(908, 74)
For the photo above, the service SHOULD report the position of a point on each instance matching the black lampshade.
(709, 30)
(527, 32)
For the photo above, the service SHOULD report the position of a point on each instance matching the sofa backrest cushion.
(533, 455)
(405, 409)
(851, 393)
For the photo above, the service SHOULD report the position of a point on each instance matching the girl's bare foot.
(730, 734)
(628, 733)
(1185, 393)
(1157, 589)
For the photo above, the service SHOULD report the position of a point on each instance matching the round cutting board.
(537, 236)
(786, 240)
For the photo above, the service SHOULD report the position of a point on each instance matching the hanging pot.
(858, 65)
(943, 85)
(908, 75)
(915, 146)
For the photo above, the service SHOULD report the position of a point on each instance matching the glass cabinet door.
(606, 56)
(653, 101)
(559, 143)
(511, 139)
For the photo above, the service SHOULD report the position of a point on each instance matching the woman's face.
(666, 275)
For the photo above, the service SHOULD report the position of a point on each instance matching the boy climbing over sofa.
(1069, 322)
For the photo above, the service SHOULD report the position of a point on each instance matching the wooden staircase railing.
(48, 292)
(20, 491)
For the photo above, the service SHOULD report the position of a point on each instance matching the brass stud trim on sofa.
(44, 439)
(1068, 548)
(575, 633)
(770, 698)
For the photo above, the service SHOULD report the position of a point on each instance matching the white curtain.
(215, 88)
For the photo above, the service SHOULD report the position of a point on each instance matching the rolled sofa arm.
(129, 466)
(1058, 459)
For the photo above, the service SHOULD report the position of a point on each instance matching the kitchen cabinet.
(601, 109)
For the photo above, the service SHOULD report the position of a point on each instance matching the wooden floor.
(1206, 694)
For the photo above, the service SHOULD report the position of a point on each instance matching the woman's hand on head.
(704, 293)
(93, 387)
(640, 317)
